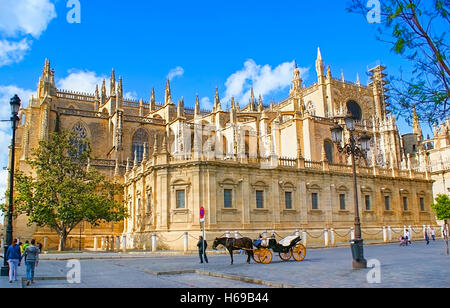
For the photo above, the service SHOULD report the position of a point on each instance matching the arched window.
(329, 150)
(140, 140)
(355, 110)
(80, 139)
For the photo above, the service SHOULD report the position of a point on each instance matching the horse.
(232, 244)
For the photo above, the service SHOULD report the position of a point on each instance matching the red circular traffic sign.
(202, 212)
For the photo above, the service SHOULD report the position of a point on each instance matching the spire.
(152, 100)
(145, 154)
(197, 107)
(104, 89)
(97, 94)
(329, 72)
(342, 76)
(417, 129)
(320, 67)
(119, 88)
(260, 104)
(252, 100)
(112, 90)
(128, 165)
(358, 82)
(217, 105)
(233, 117)
(180, 108)
(296, 81)
(135, 164)
(168, 95)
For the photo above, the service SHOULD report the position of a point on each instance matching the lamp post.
(15, 106)
(351, 148)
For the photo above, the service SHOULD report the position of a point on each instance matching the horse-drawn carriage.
(287, 248)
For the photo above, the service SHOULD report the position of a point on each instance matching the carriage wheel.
(286, 256)
(257, 255)
(265, 256)
(299, 252)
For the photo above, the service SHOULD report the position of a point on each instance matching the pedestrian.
(31, 256)
(202, 245)
(13, 257)
(39, 246)
(433, 234)
(407, 237)
(22, 249)
(427, 237)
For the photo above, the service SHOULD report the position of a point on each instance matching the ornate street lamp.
(351, 148)
(15, 106)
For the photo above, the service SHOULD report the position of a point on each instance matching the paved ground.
(413, 266)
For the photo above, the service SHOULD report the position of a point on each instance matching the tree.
(65, 192)
(442, 210)
(418, 31)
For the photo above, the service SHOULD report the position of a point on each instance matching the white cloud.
(81, 81)
(263, 79)
(25, 17)
(13, 52)
(20, 21)
(206, 104)
(175, 72)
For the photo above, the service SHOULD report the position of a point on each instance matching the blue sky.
(207, 44)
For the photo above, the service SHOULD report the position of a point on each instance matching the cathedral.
(253, 166)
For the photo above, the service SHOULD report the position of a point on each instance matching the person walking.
(407, 237)
(13, 257)
(22, 248)
(433, 234)
(202, 245)
(427, 237)
(31, 256)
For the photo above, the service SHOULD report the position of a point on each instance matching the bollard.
(236, 234)
(410, 233)
(124, 243)
(103, 243)
(186, 242)
(111, 239)
(304, 238)
(297, 232)
(154, 243)
(45, 243)
(389, 231)
(326, 238)
(333, 238)
(385, 237)
(95, 243)
(227, 234)
(352, 233)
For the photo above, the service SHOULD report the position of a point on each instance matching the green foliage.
(64, 192)
(418, 31)
(442, 207)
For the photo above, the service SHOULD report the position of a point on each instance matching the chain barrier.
(340, 235)
(401, 232)
(416, 232)
(320, 235)
(373, 234)
(167, 241)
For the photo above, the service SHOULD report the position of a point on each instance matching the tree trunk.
(62, 242)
